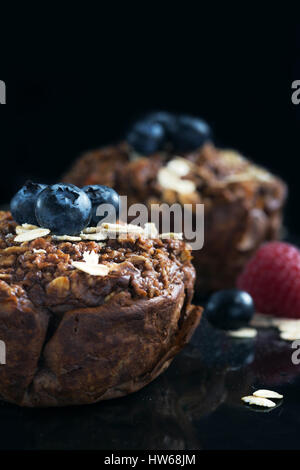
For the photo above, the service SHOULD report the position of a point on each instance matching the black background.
(238, 78)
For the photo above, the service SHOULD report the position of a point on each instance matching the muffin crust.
(75, 338)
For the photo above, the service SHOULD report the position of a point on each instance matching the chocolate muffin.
(242, 202)
(89, 317)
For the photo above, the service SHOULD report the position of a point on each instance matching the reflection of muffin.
(78, 332)
(179, 410)
(243, 202)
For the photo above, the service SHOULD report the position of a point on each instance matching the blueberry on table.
(64, 209)
(191, 133)
(230, 309)
(98, 195)
(22, 205)
(146, 137)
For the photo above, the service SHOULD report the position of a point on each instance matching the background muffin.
(242, 202)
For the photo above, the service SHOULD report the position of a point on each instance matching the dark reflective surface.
(194, 405)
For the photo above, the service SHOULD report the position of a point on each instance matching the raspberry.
(272, 278)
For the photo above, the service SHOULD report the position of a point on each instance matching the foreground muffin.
(87, 320)
(242, 202)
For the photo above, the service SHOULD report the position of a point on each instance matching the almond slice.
(287, 325)
(97, 236)
(179, 166)
(167, 179)
(185, 187)
(290, 335)
(119, 228)
(29, 227)
(252, 172)
(172, 236)
(267, 394)
(39, 251)
(258, 401)
(243, 333)
(170, 180)
(231, 157)
(289, 328)
(91, 257)
(89, 230)
(67, 238)
(29, 235)
(92, 269)
(25, 227)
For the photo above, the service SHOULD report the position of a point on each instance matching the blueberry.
(64, 209)
(191, 133)
(22, 205)
(102, 195)
(230, 309)
(167, 120)
(146, 137)
(157, 129)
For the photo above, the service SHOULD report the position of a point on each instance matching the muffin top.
(60, 273)
(205, 175)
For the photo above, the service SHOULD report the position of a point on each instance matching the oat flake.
(267, 394)
(258, 401)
